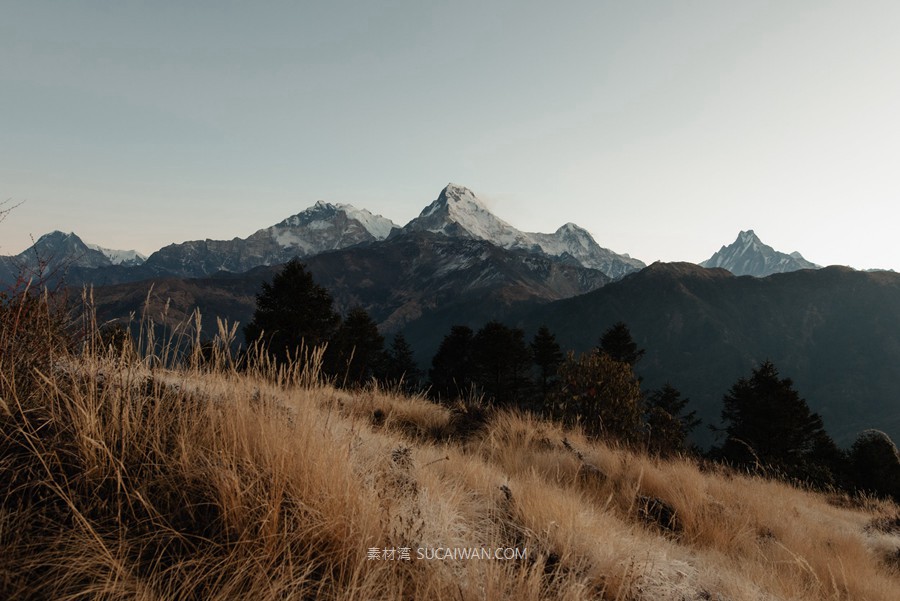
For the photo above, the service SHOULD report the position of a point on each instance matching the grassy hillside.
(122, 479)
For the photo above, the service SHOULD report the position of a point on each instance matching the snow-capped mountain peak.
(458, 212)
(748, 255)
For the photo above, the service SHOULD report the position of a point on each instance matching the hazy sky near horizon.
(663, 128)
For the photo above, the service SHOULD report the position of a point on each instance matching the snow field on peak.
(376, 225)
(118, 257)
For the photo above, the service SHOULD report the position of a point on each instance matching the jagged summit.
(323, 215)
(68, 246)
(458, 212)
(748, 255)
(322, 227)
(57, 235)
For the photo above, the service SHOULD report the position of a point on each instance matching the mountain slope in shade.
(747, 255)
(420, 282)
(320, 228)
(457, 212)
(423, 283)
(834, 331)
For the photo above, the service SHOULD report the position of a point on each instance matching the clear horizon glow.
(662, 128)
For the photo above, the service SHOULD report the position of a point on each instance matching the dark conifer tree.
(548, 357)
(451, 366)
(668, 426)
(291, 311)
(619, 345)
(767, 422)
(501, 362)
(356, 353)
(401, 368)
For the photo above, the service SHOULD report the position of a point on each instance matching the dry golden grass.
(120, 479)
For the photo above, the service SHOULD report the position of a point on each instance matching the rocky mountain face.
(458, 213)
(320, 228)
(422, 283)
(749, 256)
(55, 254)
(834, 331)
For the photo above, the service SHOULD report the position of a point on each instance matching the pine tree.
(356, 354)
(401, 368)
(768, 423)
(548, 357)
(501, 362)
(451, 367)
(668, 426)
(292, 311)
(618, 344)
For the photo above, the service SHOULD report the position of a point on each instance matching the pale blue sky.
(663, 128)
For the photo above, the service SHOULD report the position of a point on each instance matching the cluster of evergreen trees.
(293, 310)
(767, 426)
(597, 390)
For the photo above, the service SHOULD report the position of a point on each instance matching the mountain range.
(834, 330)
(54, 254)
(318, 229)
(457, 213)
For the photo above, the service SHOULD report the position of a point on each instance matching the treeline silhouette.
(766, 426)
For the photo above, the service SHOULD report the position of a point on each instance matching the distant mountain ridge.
(457, 213)
(322, 227)
(56, 253)
(748, 255)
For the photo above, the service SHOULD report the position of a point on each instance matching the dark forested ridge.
(834, 331)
